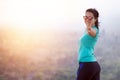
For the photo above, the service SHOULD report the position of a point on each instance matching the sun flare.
(26, 41)
(30, 24)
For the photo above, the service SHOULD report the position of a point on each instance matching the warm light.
(26, 42)
(29, 23)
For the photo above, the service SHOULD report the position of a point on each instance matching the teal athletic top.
(86, 48)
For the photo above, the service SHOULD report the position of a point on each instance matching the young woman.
(89, 68)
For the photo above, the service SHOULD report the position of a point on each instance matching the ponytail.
(97, 24)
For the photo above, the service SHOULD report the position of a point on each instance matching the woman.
(89, 69)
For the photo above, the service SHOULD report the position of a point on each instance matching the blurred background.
(39, 38)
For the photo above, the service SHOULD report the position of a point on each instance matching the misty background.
(39, 39)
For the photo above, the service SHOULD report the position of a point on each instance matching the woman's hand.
(89, 21)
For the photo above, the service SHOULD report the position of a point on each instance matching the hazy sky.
(57, 14)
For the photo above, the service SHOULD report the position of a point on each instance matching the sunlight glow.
(25, 42)
(27, 24)
(30, 23)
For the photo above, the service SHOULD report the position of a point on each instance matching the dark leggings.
(88, 71)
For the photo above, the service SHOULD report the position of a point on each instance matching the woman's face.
(89, 17)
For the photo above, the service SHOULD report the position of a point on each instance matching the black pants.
(88, 71)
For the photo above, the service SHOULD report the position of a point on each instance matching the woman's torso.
(86, 49)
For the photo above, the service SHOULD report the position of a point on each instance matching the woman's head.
(93, 14)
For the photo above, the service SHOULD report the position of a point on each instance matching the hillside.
(58, 60)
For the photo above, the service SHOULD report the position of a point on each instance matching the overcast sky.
(57, 14)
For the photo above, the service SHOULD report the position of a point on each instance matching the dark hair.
(95, 14)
